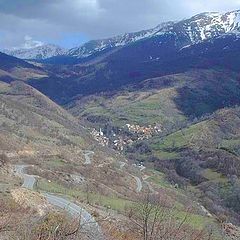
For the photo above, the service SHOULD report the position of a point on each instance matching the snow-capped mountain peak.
(190, 31)
(37, 53)
(196, 29)
(212, 24)
(95, 46)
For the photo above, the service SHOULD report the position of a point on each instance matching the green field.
(113, 203)
(119, 204)
(143, 108)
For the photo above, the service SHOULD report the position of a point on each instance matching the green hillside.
(172, 101)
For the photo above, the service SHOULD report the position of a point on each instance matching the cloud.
(31, 43)
(56, 20)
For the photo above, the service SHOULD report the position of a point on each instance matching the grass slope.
(171, 101)
(12, 69)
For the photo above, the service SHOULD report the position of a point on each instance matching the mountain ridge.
(39, 52)
(12, 68)
(198, 28)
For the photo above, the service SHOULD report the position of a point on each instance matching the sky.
(69, 23)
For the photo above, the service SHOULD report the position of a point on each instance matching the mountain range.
(189, 31)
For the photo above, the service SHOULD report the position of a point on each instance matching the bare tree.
(7, 210)
(3, 159)
(5, 222)
(156, 219)
(56, 226)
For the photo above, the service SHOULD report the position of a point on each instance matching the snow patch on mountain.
(199, 28)
(95, 46)
(37, 53)
(209, 25)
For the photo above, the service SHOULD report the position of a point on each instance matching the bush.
(3, 160)
(142, 147)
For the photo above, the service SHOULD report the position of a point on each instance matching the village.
(120, 140)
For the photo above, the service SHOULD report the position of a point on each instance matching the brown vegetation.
(154, 218)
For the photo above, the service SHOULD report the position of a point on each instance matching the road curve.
(138, 180)
(73, 209)
(139, 184)
(87, 157)
(122, 165)
(28, 180)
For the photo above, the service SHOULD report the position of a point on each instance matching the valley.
(137, 131)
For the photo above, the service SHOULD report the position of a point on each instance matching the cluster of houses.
(144, 132)
(100, 137)
(120, 141)
(232, 231)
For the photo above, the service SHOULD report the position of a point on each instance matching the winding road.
(87, 221)
(87, 157)
(28, 180)
(122, 165)
(139, 184)
(88, 161)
